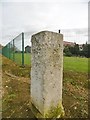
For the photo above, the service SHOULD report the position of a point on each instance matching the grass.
(16, 86)
(76, 64)
(18, 58)
(27, 59)
(75, 87)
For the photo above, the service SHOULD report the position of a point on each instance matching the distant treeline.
(77, 51)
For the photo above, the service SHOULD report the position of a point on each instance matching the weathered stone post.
(47, 74)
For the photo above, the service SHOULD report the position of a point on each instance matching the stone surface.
(47, 73)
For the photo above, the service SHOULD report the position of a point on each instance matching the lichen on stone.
(55, 112)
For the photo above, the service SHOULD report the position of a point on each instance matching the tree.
(76, 49)
(71, 49)
(85, 50)
(67, 52)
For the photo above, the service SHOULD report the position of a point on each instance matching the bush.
(69, 54)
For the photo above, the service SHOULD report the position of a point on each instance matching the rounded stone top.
(46, 32)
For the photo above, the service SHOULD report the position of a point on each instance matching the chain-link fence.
(16, 51)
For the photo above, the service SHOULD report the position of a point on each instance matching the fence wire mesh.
(27, 48)
(19, 48)
(14, 50)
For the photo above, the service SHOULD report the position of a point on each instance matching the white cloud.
(36, 16)
(79, 36)
(63, 1)
(0, 22)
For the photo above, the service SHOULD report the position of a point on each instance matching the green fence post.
(13, 51)
(9, 51)
(22, 49)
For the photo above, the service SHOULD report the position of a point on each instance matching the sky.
(32, 16)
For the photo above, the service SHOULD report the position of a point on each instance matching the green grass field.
(18, 58)
(27, 59)
(76, 64)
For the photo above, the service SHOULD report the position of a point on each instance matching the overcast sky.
(71, 16)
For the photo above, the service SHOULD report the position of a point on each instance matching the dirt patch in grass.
(75, 94)
(16, 98)
(16, 95)
(13, 68)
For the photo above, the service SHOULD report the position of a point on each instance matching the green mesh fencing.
(14, 50)
(27, 48)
